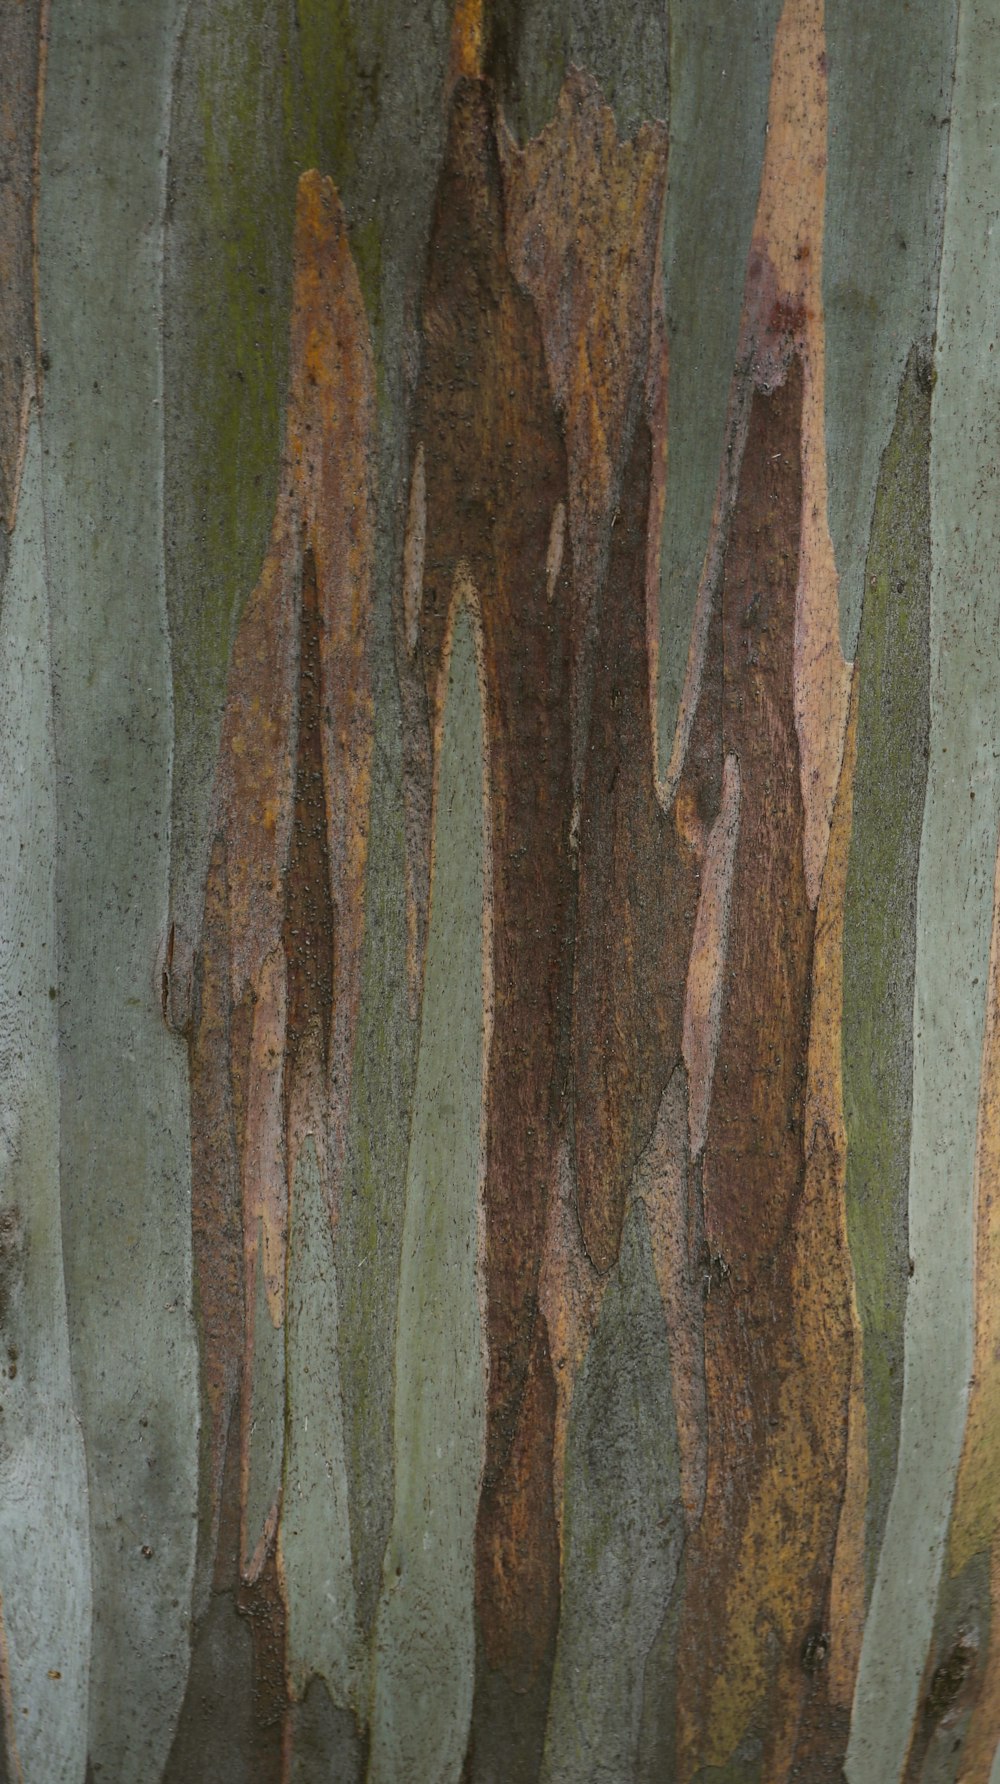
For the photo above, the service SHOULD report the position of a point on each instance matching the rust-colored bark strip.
(778, 1334)
(583, 216)
(22, 59)
(495, 474)
(765, 1592)
(279, 974)
(781, 1329)
(789, 231)
(636, 900)
(827, 1426)
(570, 1292)
(583, 230)
(583, 226)
(753, 1151)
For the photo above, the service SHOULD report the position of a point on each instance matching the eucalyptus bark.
(500, 952)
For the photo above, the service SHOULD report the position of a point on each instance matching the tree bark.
(500, 952)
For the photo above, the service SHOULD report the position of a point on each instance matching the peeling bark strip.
(778, 1337)
(22, 58)
(752, 1169)
(278, 977)
(495, 475)
(490, 492)
(765, 1590)
(583, 224)
(583, 217)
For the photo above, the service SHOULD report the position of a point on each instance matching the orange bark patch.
(468, 41)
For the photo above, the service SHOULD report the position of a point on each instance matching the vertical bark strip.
(583, 218)
(890, 116)
(582, 229)
(779, 1334)
(425, 1635)
(495, 475)
(789, 231)
(753, 1150)
(959, 1702)
(22, 56)
(893, 672)
(125, 1154)
(45, 1584)
(583, 214)
(952, 935)
(46, 1608)
(975, 1518)
(720, 67)
(272, 1044)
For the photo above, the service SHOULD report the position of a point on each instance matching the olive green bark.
(893, 666)
(124, 1144)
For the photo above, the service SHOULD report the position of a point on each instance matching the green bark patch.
(623, 1526)
(534, 42)
(125, 1156)
(425, 1642)
(888, 143)
(893, 666)
(45, 1527)
(262, 92)
(720, 70)
(953, 921)
(315, 1521)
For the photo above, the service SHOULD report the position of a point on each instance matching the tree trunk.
(500, 942)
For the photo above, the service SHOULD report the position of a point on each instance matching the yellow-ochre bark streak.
(789, 231)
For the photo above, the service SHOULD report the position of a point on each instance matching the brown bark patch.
(494, 474)
(778, 1330)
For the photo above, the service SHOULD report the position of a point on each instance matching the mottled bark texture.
(500, 959)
